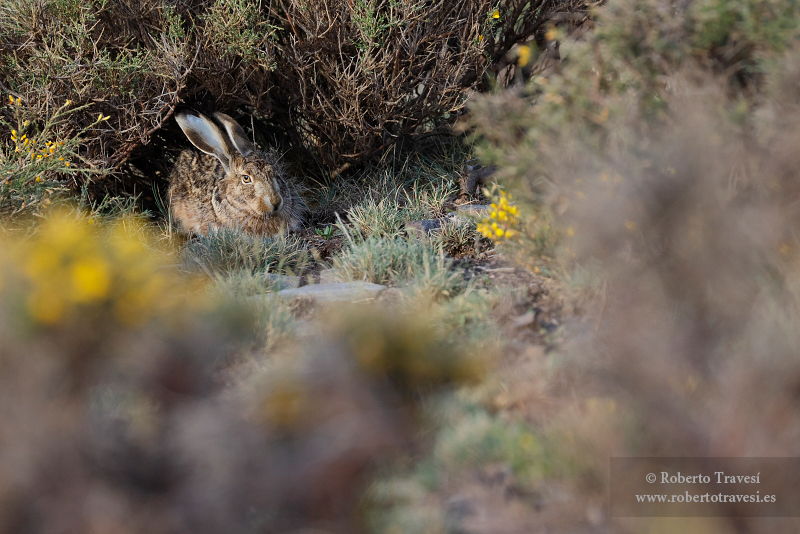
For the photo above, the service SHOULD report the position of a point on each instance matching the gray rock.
(305, 328)
(339, 292)
(423, 227)
(283, 281)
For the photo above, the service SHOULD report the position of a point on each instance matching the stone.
(338, 292)
(305, 328)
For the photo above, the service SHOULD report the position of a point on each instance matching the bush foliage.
(344, 79)
(663, 151)
(124, 381)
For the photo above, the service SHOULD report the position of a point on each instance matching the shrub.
(622, 75)
(345, 79)
(128, 63)
(72, 266)
(664, 153)
(35, 157)
(123, 380)
(360, 75)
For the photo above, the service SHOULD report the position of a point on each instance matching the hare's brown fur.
(204, 195)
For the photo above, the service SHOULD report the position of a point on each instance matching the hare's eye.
(247, 179)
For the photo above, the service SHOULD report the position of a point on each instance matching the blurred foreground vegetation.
(632, 289)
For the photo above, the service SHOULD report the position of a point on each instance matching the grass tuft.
(226, 251)
(390, 261)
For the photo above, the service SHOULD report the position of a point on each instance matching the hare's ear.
(206, 136)
(236, 134)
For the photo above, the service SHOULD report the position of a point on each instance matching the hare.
(232, 184)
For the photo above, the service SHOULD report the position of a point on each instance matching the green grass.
(231, 251)
(392, 204)
(457, 237)
(393, 260)
(384, 217)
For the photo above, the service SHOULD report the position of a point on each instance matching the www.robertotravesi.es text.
(707, 497)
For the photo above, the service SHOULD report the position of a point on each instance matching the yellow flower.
(551, 33)
(501, 220)
(524, 55)
(101, 117)
(90, 279)
(39, 178)
(10, 100)
(41, 262)
(68, 103)
(496, 14)
(480, 38)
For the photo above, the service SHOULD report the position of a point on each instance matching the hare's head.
(250, 183)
